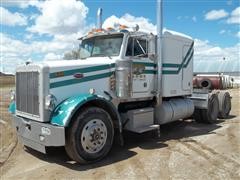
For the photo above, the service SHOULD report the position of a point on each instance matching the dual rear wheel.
(219, 106)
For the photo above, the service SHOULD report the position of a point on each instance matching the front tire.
(90, 136)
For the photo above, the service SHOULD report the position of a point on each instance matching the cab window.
(137, 47)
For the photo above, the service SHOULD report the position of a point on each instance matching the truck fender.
(63, 113)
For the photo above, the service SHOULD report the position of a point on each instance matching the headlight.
(50, 102)
(12, 95)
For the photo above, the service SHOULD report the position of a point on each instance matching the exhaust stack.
(99, 18)
(159, 49)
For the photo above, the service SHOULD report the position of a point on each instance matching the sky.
(44, 30)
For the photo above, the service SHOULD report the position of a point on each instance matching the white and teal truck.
(125, 79)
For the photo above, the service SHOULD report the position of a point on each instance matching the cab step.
(146, 128)
(140, 120)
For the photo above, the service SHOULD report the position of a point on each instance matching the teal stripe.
(189, 59)
(148, 64)
(177, 71)
(82, 70)
(182, 65)
(169, 72)
(186, 57)
(89, 78)
(150, 72)
(170, 65)
(76, 81)
(94, 68)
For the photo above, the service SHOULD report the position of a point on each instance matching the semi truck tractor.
(124, 79)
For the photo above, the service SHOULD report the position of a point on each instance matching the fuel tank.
(172, 110)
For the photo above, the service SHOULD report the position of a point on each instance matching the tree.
(74, 54)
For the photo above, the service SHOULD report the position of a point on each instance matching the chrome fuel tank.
(173, 110)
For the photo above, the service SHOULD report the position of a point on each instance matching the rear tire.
(224, 104)
(90, 136)
(210, 114)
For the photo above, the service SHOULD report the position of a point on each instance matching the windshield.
(107, 45)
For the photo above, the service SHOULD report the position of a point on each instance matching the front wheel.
(90, 136)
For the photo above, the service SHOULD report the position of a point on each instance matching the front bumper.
(37, 135)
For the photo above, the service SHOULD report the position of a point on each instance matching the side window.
(137, 47)
(129, 51)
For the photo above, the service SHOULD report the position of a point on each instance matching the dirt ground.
(186, 150)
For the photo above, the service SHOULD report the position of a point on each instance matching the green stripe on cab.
(81, 70)
(186, 59)
(76, 81)
(147, 64)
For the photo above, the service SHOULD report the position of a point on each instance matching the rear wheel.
(90, 137)
(210, 114)
(224, 104)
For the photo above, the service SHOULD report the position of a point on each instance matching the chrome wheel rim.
(94, 136)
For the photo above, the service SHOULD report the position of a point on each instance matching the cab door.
(143, 68)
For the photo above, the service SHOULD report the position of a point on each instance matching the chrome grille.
(27, 97)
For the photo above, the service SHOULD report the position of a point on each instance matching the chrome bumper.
(37, 135)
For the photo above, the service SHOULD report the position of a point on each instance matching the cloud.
(61, 17)
(20, 3)
(64, 36)
(238, 35)
(130, 21)
(12, 19)
(216, 14)
(235, 16)
(211, 58)
(205, 51)
(222, 31)
(10, 46)
(14, 52)
(52, 57)
(194, 18)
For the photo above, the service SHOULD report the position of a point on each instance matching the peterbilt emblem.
(78, 75)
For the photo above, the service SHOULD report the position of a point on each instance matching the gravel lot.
(186, 150)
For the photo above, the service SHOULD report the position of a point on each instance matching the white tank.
(173, 110)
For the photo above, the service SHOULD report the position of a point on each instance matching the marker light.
(92, 91)
(123, 27)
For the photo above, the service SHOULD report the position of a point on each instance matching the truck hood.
(69, 64)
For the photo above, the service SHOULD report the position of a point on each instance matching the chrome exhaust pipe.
(99, 18)
(159, 50)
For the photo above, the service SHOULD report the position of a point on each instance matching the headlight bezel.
(50, 102)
